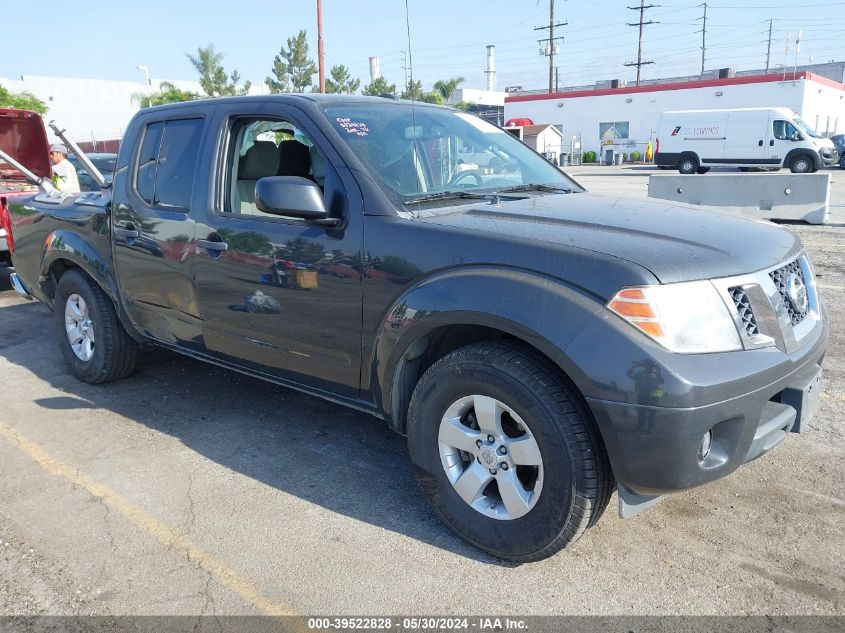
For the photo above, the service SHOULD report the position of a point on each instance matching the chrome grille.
(743, 307)
(780, 277)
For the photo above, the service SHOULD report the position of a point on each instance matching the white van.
(693, 141)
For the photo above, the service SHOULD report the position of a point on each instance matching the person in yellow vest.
(649, 153)
(64, 173)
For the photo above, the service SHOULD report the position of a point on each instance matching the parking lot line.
(152, 526)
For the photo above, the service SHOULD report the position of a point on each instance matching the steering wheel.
(461, 175)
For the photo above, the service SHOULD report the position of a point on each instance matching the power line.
(640, 63)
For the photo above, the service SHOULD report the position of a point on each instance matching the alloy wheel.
(79, 327)
(490, 457)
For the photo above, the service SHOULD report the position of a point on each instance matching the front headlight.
(688, 318)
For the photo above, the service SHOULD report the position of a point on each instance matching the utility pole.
(797, 50)
(549, 51)
(703, 37)
(769, 48)
(639, 63)
(320, 52)
(557, 78)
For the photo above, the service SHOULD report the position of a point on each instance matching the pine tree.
(213, 78)
(341, 81)
(292, 69)
(379, 87)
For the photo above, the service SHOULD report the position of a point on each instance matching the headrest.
(294, 159)
(261, 160)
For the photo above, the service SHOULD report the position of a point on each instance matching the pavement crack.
(112, 542)
(192, 515)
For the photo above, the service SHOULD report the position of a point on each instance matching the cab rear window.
(164, 173)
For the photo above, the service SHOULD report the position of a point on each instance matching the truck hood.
(23, 137)
(674, 242)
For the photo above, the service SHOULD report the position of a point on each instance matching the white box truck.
(693, 141)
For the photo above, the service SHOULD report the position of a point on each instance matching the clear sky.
(108, 39)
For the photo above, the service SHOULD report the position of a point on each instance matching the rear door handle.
(771, 143)
(213, 246)
(128, 233)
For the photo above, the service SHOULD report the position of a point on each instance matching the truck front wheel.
(801, 164)
(506, 453)
(96, 347)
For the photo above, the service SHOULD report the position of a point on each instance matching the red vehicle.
(14, 125)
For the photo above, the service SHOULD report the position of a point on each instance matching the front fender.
(70, 246)
(539, 310)
(816, 157)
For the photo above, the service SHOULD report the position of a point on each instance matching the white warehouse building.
(624, 119)
(89, 109)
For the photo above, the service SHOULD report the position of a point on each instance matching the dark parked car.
(102, 161)
(839, 144)
(540, 346)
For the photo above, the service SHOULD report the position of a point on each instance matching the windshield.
(806, 128)
(420, 151)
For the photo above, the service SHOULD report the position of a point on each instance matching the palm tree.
(447, 88)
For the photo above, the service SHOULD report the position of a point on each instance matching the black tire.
(842, 161)
(577, 481)
(801, 164)
(688, 164)
(115, 354)
(702, 170)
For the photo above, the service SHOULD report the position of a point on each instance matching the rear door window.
(167, 163)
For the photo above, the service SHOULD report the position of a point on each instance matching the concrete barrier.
(766, 196)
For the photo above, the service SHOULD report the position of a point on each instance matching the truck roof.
(292, 98)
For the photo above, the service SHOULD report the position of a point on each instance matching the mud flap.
(631, 504)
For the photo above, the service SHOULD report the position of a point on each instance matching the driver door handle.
(213, 246)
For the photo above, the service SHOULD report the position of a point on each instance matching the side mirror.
(293, 197)
(796, 136)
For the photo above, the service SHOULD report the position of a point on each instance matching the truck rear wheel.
(96, 347)
(506, 453)
(688, 164)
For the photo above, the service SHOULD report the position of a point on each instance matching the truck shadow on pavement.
(342, 460)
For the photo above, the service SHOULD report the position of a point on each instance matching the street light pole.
(146, 72)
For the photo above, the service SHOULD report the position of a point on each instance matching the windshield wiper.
(450, 195)
(535, 187)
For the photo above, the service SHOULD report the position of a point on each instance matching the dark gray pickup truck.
(540, 346)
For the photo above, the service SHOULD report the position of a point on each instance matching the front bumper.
(656, 448)
(829, 157)
(653, 407)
